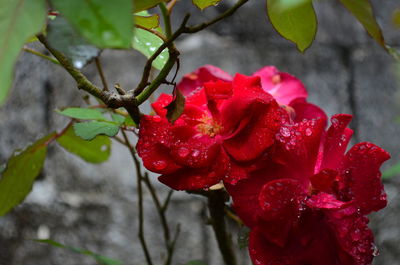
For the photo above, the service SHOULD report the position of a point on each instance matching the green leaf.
(196, 262)
(89, 130)
(19, 20)
(149, 22)
(64, 38)
(129, 122)
(102, 260)
(175, 108)
(295, 20)
(201, 4)
(362, 10)
(82, 114)
(140, 5)
(391, 172)
(21, 170)
(147, 43)
(106, 24)
(95, 151)
(118, 118)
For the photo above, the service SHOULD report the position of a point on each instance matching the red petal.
(281, 199)
(298, 148)
(195, 80)
(282, 86)
(324, 201)
(218, 90)
(160, 104)
(194, 179)
(324, 180)
(336, 140)
(361, 176)
(353, 234)
(305, 110)
(153, 144)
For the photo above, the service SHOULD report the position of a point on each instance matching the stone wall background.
(94, 206)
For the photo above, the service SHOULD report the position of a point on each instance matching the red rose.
(222, 134)
(308, 205)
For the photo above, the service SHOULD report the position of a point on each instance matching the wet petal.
(362, 177)
(282, 86)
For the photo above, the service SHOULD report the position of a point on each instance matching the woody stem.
(216, 206)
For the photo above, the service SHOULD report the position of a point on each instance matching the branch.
(101, 73)
(112, 100)
(216, 206)
(51, 59)
(140, 199)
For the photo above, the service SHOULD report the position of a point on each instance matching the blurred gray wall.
(95, 206)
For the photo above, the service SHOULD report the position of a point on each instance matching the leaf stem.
(101, 73)
(51, 59)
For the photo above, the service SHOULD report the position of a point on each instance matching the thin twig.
(51, 59)
(101, 73)
(167, 200)
(140, 199)
(155, 32)
(171, 5)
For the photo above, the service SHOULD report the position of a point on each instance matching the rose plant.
(253, 140)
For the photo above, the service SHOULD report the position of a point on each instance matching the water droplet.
(195, 153)
(183, 152)
(308, 132)
(285, 131)
(160, 165)
(156, 118)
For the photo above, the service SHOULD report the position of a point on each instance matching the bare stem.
(167, 20)
(140, 200)
(216, 206)
(51, 59)
(101, 73)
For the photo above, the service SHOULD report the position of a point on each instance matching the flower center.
(208, 126)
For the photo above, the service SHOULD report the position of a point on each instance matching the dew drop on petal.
(159, 165)
(308, 132)
(156, 118)
(183, 152)
(195, 153)
(285, 132)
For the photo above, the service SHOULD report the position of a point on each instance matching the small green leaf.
(362, 10)
(64, 38)
(201, 4)
(106, 24)
(243, 237)
(149, 22)
(140, 5)
(129, 122)
(20, 173)
(396, 18)
(295, 20)
(147, 43)
(19, 20)
(176, 107)
(118, 118)
(82, 114)
(196, 262)
(89, 130)
(102, 260)
(391, 172)
(95, 151)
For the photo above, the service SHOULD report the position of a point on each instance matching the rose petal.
(353, 234)
(362, 178)
(159, 105)
(324, 201)
(336, 140)
(282, 86)
(195, 80)
(324, 180)
(304, 110)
